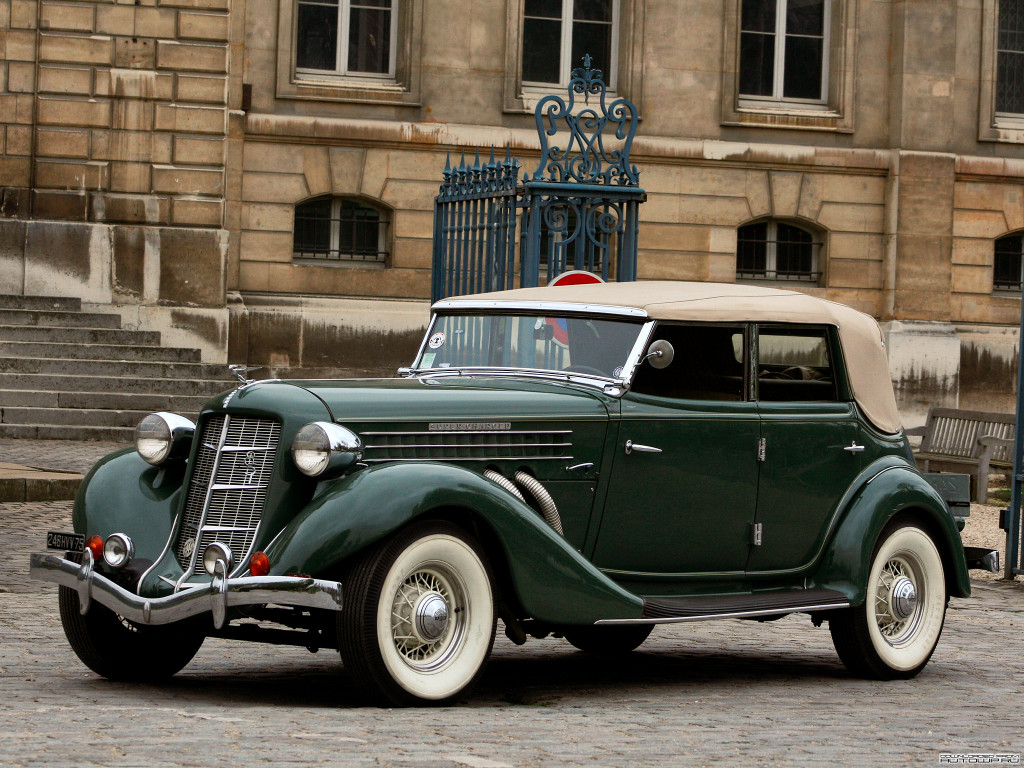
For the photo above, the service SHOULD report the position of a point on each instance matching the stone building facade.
(158, 155)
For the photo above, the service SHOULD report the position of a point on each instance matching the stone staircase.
(69, 374)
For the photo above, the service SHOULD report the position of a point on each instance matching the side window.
(708, 364)
(794, 365)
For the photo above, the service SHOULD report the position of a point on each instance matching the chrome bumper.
(982, 558)
(215, 598)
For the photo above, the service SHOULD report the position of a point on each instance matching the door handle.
(853, 447)
(631, 446)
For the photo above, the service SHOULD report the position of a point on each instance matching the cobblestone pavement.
(712, 693)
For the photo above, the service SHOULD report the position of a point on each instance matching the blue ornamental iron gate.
(578, 209)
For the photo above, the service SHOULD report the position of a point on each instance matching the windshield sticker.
(617, 373)
(437, 340)
(428, 359)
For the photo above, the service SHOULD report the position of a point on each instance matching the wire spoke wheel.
(893, 634)
(418, 619)
(427, 616)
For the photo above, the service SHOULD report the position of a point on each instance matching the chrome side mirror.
(660, 354)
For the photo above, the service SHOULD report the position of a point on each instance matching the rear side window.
(794, 365)
(708, 364)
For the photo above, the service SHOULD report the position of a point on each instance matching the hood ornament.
(240, 370)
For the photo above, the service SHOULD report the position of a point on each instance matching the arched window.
(339, 230)
(1007, 263)
(775, 250)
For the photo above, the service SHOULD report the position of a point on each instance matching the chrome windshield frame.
(612, 385)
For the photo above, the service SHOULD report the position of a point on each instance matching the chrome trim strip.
(636, 355)
(737, 615)
(423, 344)
(547, 373)
(220, 594)
(237, 449)
(882, 472)
(229, 487)
(539, 307)
(472, 445)
(170, 541)
(478, 432)
(447, 459)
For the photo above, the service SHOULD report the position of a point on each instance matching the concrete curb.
(22, 483)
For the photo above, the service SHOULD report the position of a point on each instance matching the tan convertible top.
(725, 302)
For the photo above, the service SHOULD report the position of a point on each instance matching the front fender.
(124, 494)
(553, 582)
(892, 487)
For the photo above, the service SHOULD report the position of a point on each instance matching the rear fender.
(891, 488)
(552, 581)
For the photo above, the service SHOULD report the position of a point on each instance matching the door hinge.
(755, 534)
(762, 443)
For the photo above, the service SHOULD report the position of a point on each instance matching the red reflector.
(259, 564)
(95, 545)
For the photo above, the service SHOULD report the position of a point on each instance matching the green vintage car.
(584, 461)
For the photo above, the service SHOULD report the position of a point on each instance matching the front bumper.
(214, 598)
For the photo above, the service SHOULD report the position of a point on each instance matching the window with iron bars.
(774, 250)
(1007, 263)
(1010, 58)
(337, 230)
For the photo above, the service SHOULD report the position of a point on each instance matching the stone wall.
(115, 125)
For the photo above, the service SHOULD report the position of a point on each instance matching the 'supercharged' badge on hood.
(470, 426)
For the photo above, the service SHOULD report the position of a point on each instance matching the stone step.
(120, 352)
(50, 333)
(115, 368)
(60, 303)
(65, 432)
(82, 383)
(86, 417)
(128, 401)
(58, 318)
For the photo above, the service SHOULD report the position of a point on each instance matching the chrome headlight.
(161, 436)
(325, 448)
(118, 550)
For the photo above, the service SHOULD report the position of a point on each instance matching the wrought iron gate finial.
(584, 158)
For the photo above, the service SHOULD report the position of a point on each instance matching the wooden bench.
(972, 442)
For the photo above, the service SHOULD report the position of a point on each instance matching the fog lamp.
(118, 550)
(215, 552)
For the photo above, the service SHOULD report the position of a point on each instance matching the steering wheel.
(585, 369)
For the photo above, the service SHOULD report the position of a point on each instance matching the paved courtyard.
(715, 693)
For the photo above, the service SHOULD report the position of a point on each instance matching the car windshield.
(584, 345)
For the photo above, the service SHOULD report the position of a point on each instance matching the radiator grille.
(228, 488)
(466, 446)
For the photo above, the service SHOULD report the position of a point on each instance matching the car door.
(810, 457)
(682, 491)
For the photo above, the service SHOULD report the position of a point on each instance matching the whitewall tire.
(418, 618)
(893, 634)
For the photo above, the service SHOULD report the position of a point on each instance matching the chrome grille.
(466, 446)
(228, 488)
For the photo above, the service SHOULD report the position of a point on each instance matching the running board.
(669, 610)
